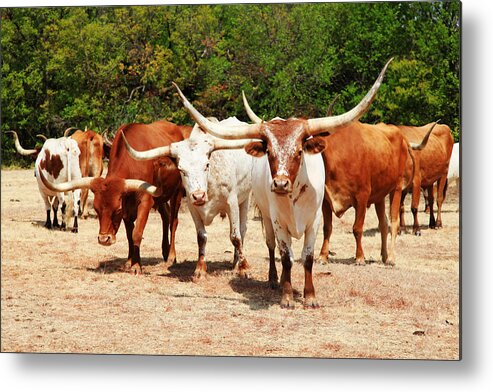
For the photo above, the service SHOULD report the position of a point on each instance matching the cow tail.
(411, 153)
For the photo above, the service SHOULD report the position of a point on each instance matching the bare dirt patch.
(62, 292)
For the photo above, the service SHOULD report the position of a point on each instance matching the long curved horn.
(42, 137)
(84, 182)
(324, 124)
(139, 185)
(106, 141)
(222, 144)
(67, 131)
(164, 151)
(253, 117)
(219, 130)
(420, 146)
(18, 146)
(331, 106)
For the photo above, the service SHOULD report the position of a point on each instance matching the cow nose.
(281, 184)
(198, 197)
(104, 239)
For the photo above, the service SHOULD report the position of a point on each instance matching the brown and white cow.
(126, 192)
(288, 181)
(90, 160)
(217, 176)
(57, 160)
(432, 165)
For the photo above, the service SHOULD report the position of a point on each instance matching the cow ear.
(314, 145)
(256, 149)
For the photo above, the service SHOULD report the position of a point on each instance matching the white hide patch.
(288, 149)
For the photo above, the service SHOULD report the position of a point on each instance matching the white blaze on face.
(192, 156)
(283, 152)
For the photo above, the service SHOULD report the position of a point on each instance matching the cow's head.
(108, 195)
(192, 159)
(284, 141)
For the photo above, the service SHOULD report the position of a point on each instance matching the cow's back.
(434, 158)
(363, 159)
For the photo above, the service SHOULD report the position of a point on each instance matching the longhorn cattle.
(90, 160)
(57, 160)
(288, 179)
(363, 164)
(126, 192)
(431, 166)
(217, 181)
(453, 175)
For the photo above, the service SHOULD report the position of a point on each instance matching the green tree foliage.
(103, 67)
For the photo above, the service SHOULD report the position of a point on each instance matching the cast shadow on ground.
(119, 265)
(183, 270)
(258, 294)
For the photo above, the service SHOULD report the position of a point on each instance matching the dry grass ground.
(62, 292)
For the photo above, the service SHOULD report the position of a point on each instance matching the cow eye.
(207, 166)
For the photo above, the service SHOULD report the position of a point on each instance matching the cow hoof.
(311, 303)
(287, 303)
(198, 276)
(323, 259)
(136, 269)
(244, 274)
(389, 263)
(49, 227)
(75, 230)
(360, 262)
(417, 233)
(274, 284)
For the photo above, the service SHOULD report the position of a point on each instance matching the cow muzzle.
(199, 198)
(106, 239)
(281, 185)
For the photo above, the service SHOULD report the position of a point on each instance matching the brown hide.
(431, 166)
(111, 201)
(363, 164)
(90, 160)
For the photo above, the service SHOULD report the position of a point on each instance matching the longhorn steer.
(126, 192)
(288, 182)
(90, 160)
(363, 164)
(57, 160)
(432, 166)
(217, 181)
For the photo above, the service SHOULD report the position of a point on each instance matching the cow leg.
(55, 205)
(84, 210)
(175, 204)
(76, 209)
(327, 214)
(165, 215)
(431, 201)
(402, 212)
(201, 267)
(358, 229)
(129, 228)
(425, 196)
(441, 193)
(145, 205)
(383, 226)
(395, 198)
(46, 200)
(284, 243)
(235, 214)
(307, 257)
(270, 241)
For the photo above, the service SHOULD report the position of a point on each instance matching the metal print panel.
(274, 180)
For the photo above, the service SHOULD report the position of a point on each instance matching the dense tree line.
(101, 67)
